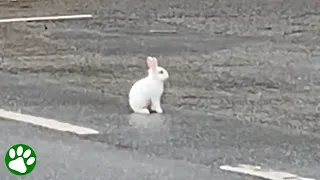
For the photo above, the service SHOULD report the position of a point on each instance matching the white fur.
(148, 89)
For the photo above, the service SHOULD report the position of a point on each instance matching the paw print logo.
(20, 159)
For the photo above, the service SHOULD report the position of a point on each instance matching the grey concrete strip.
(64, 157)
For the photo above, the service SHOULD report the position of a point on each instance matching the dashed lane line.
(44, 122)
(262, 173)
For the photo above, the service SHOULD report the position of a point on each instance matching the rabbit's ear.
(152, 63)
(155, 61)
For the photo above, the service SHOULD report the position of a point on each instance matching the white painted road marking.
(46, 18)
(266, 174)
(48, 123)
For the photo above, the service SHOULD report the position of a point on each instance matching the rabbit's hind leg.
(142, 111)
(139, 106)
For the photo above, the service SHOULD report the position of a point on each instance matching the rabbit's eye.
(161, 72)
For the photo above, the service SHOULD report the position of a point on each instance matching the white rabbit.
(146, 93)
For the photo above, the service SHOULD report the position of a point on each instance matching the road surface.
(244, 87)
(176, 145)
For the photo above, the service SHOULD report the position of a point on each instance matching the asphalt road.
(254, 60)
(176, 145)
(254, 65)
